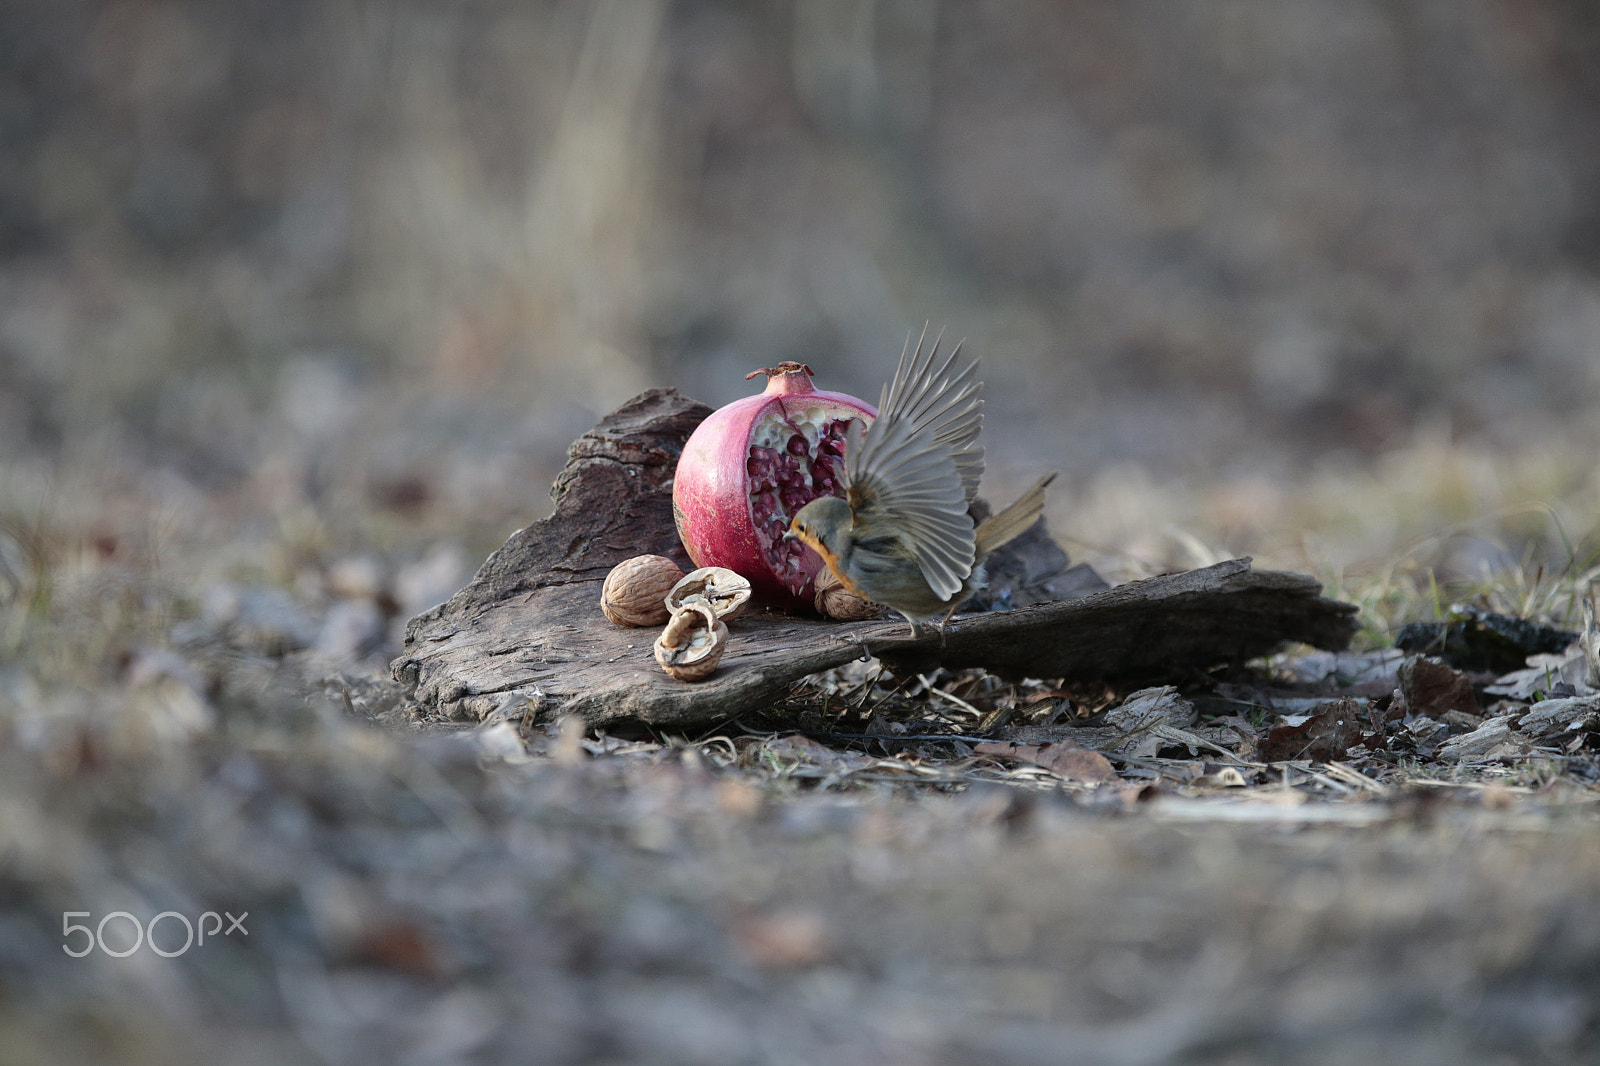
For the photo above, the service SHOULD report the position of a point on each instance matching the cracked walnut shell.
(635, 591)
(727, 592)
(692, 644)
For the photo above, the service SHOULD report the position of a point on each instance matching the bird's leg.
(945, 621)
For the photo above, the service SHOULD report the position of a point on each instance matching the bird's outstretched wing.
(916, 470)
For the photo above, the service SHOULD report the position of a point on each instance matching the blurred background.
(285, 280)
(301, 303)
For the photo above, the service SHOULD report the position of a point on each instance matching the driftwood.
(527, 632)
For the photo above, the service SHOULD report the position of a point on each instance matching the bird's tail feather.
(1008, 524)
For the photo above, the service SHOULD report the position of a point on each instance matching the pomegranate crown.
(788, 366)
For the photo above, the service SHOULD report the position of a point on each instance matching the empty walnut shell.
(692, 644)
(833, 600)
(727, 592)
(636, 590)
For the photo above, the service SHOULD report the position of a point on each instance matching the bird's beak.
(788, 534)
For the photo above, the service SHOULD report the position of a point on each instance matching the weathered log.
(528, 632)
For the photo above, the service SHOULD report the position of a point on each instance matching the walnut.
(693, 642)
(726, 592)
(833, 600)
(636, 590)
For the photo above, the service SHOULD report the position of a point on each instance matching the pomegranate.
(750, 466)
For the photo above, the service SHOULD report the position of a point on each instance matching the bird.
(901, 536)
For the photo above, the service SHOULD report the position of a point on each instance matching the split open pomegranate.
(750, 466)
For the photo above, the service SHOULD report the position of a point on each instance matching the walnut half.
(692, 644)
(727, 592)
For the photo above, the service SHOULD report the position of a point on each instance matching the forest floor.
(1318, 858)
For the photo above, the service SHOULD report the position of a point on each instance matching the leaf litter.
(1380, 725)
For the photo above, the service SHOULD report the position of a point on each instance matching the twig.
(957, 700)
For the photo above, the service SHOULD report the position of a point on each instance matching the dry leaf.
(801, 750)
(1156, 718)
(1152, 706)
(1065, 758)
(1544, 673)
(1434, 689)
(1249, 735)
(1324, 736)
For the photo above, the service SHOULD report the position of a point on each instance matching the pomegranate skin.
(749, 467)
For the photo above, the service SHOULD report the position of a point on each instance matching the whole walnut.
(833, 600)
(635, 592)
